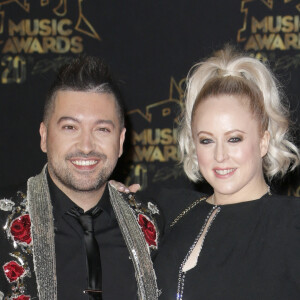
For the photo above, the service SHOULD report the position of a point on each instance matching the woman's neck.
(243, 195)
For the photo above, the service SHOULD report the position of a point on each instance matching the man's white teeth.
(84, 162)
(224, 172)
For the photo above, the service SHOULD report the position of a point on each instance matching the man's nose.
(86, 142)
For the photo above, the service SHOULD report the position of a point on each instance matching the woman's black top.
(251, 252)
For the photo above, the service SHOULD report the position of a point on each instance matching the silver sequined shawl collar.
(136, 244)
(42, 226)
(42, 230)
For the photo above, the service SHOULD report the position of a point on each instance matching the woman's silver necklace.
(207, 224)
(181, 275)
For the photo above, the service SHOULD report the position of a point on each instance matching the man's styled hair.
(84, 74)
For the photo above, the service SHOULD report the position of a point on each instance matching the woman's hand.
(124, 189)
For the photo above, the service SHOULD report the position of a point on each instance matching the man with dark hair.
(71, 235)
(85, 74)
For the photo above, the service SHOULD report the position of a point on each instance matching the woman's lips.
(224, 173)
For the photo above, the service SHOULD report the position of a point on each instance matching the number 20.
(15, 69)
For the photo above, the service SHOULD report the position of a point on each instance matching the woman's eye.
(235, 139)
(205, 141)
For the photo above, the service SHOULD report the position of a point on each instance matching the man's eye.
(103, 129)
(205, 141)
(235, 139)
(68, 127)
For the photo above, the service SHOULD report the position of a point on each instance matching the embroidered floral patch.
(146, 221)
(22, 297)
(13, 271)
(6, 205)
(153, 208)
(149, 230)
(20, 229)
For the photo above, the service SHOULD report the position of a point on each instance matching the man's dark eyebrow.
(98, 122)
(66, 118)
(109, 122)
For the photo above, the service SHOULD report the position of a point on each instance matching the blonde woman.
(243, 241)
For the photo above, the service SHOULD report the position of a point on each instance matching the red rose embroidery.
(148, 229)
(22, 297)
(20, 229)
(13, 271)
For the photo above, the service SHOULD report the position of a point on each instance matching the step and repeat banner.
(150, 46)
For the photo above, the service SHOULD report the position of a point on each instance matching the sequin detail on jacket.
(16, 240)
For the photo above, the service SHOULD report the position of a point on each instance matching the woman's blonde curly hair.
(231, 73)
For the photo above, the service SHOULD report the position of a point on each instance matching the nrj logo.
(154, 147)
(59, 9)
(23, 33)
(277, 28)
(270, 29)
(57, 34)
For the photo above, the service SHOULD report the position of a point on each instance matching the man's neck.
(84, 199)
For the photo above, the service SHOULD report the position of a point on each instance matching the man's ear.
(122, 139)
(264, 143)
(43, 133)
